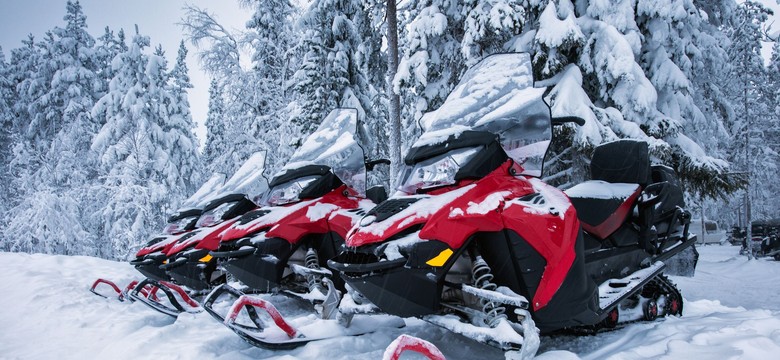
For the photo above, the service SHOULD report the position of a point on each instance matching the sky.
(155, 18)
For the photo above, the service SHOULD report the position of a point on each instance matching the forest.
(97, 142)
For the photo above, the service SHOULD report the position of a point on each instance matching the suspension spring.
(312, 261)
(483, 278)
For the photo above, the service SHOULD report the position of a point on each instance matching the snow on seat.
(602, 206)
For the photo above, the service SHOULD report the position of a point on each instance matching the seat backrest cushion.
(622, 161)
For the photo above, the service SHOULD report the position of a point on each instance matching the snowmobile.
(186, 261)
(476, 243)
(149, 258)
(283, 246)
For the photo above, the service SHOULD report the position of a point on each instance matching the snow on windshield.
(334, 144)
(496, 95)
(202, 195)
(248, 179)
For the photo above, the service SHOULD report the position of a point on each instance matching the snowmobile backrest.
(622, 161)
(377, 194)
(671, 194)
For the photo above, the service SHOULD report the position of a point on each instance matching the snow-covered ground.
(47, 312)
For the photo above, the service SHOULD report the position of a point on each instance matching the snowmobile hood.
(450, 216)
(160, 242)
(293, 221)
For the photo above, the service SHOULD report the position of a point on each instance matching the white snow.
(319, 211)
(393, 248)
(598, 189)
(731, 312)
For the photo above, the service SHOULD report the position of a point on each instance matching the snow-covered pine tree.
(6, 125)
(179, 126)
(753, 109)
(271, 37)
(58, 138)
(216, 132)
(108, 46)
(138, 146)
(334, 70)
(220, 55)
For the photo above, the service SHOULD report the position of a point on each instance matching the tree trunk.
(395, 102)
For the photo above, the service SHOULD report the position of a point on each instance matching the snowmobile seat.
(601, 206)
(620, 170)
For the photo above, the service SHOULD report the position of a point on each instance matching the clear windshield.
(334, 144)
(496, 95)
(248, 179)
(213, 184)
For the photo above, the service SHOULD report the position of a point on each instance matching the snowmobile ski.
(281, 333)
(148, 291)
(177, 299)
(410, 343)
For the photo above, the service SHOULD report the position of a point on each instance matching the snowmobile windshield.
(334, 145)
(205, 192)
(248, 180)
(290, 191)
(496, 96)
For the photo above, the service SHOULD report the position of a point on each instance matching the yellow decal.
(440, 259)
(165, 261)
(205, 258)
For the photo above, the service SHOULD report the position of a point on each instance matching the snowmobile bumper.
(391, 285)
(149, 266)
(196, 270)
(261, 266)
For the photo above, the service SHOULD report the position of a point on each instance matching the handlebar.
(567, 119)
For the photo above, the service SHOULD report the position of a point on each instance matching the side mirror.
(568, 119)
(370, 164)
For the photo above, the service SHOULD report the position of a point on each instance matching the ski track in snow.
(731, 312)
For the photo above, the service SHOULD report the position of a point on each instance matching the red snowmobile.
(149, 258)
(478, 244)
(283, 246)
(186, 260)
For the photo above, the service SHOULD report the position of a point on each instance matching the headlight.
(437, 171)
(214, 216)
(289, 191)
(178, 225)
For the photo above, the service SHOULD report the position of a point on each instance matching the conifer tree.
(145, 148)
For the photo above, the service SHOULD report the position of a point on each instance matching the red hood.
(205, 238)
(291, 222)
(458, 213)
(162, 245)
